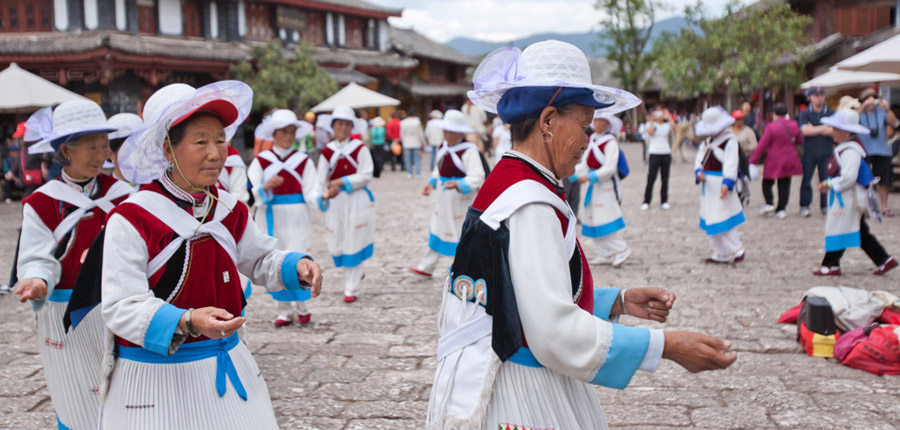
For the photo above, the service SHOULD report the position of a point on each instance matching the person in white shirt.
(502, 140)
(413, 139)
(659, 153)
(434, 135)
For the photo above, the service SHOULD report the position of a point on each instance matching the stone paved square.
(369, 364)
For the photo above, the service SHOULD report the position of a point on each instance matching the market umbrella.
(883, 57)
(23, 92)
(356, 97)
(837, 79)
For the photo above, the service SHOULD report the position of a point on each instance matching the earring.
(544, 137)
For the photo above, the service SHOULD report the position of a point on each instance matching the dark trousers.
(573, 193)
(658, 163)
(868, 243)
(813, 162)
(784, 192)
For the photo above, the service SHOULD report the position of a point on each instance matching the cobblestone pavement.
(369, 365)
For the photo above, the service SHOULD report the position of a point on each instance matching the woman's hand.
(31, 289)
(330, 193)
(701, 177)
(724, 194)
(427, 190)
(273, 183)
(212, 322)
(336, 183)
(697, 352)
(450, 185)
(310, 272)
(823, 187)
(583, 179)
(649, 303)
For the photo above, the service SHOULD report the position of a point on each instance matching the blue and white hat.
(69, 121)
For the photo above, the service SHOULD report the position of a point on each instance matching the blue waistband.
(712, 173)
(62, 296)
(524, 357)
(286, 199)
(196, 351)
(445, 179)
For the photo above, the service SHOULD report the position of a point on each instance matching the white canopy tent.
(883, 57)
(356, 97)
(836, 79)
(23, 92)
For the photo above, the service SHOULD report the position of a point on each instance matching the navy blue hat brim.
(56, 143)
(522, 103)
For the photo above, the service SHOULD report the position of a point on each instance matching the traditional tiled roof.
(412, 43)
(345, 76)
(344, 6)
(362, 57)
(425, 89)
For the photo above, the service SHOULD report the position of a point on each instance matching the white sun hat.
(279, 119)
(615, 124)
(847, 120)
(142, 159)
(550, 63)
(713, 121)
(343, 112)
(378, 122)
(455, 121)
(69, 121)
(125, 123)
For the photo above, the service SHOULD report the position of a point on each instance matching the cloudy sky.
(504, 20)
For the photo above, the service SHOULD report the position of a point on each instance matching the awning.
(356, 97)
(836, 79)
(25, 92)
(883, 57)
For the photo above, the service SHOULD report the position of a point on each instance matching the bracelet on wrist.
(190, 327)
(622, 300)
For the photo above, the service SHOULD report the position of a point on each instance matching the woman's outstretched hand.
(651, 303)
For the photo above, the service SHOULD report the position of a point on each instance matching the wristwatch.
(190, 326)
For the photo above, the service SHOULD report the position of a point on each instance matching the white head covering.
(847, 120)
(378, 122)
(69, 121)
(343, 112)
(279, 119)
(455, 121)
(125, 123)
(436, 114)
(713, 121)
(550, 63)
(615, 124)
(142, 159)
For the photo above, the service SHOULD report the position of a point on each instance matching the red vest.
(712, 164)
(343, 166)
(834, 168)
(290, 184)
(448, 169)
(510, 171)
(201, 273)
(73, 245)
(592, 162)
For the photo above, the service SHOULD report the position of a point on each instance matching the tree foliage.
(296, 83)
(625, 29)
(751, 47)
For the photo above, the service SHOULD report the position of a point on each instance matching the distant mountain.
(588, 42)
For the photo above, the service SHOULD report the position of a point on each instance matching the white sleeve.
(36, 246)
(238, 183)
(255, 176)
(474, 170)
(258, 260)
(732, 160)
(701, 153)
(321, 184)
(310, 183)
(611, 166)
(364, 171)
(850, 161)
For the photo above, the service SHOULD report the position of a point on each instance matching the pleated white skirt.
(183, 396)
(542, 398)
(72, 365)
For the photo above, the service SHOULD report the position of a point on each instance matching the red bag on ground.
(878, 353)
(790, 317)
(889, 316)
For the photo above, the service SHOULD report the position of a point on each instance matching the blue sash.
(62, 296)
(280, 199)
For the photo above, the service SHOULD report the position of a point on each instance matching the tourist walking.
(876, 115)
(412, 137)
(817, 148)
(659, 151)
(780, 142)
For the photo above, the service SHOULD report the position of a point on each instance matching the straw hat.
(550, 63)
(847, 120)
(69, 121)
(125, 123)
(848, 102)
(713, 121)
(436, 114)
(454, 121)
(615, 124)
(142, 159)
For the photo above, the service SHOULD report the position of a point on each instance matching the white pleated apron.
(449, 214)
(718, 216)
(844, 214)
(350, 219)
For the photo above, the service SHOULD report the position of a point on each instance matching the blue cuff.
(347, 187)
(573, 178)
(289, 276)
(323, 205)
(265, 196)
(728, 182)
(628, 349)
(464, 187)
(433, 182)
(604, 299)
(592, 176)
(162, 328)
(697, 175)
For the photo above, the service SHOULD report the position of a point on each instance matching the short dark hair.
(115, 144)
(520, 130)
(177, 133)
(780, 109)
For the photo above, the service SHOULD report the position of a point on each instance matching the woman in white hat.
(59, 222)
(283, 180)
(344, 171)
(848, 175)
(171, 293)
(125, 123)
(233, 177)
(434, 135)
(523, 331)
(601, 218)
(457, 178)
(716, 169)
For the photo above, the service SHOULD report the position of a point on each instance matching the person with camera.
(875, 115)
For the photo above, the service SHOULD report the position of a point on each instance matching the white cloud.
(500, 21)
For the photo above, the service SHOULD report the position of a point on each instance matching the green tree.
(626, 27)
(751, 47)
(278, 81)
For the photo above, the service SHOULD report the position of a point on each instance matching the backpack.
(622, 166)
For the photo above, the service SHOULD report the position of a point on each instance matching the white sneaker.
(804, 212)
(767, 209)
(621, 257)
(665, 206)
(601, 260)
(781, 214)
(645, 206)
